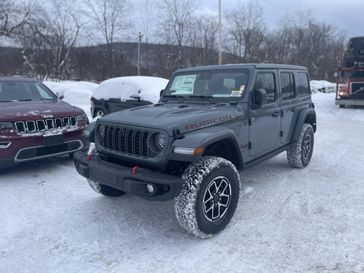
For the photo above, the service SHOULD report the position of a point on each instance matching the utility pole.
(180, 35)
(140, 36)
(220, 36)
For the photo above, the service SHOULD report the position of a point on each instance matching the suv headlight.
(160, 141)
(82, 120)
(6, 125)
(101, 131)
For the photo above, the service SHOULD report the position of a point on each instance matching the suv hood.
(32, 110)
(170, 117)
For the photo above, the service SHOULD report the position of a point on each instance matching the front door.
(264, 133)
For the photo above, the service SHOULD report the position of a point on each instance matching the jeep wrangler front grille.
(126, 140)
(35, 126)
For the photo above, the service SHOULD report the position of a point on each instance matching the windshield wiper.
(25, 100)
(180, 98)
(208, 97)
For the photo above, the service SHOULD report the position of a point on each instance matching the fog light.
(150, 188)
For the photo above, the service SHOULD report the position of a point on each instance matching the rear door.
(287, 97)
(265, 121)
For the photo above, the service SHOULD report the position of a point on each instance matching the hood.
(172, 117)
(33, 110)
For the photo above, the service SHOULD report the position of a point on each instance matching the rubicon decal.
(208, 122)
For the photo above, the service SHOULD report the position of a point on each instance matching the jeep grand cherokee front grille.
(127, 140)
(35, 126)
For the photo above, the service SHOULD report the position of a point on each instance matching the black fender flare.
(302, 117)
(209, 136)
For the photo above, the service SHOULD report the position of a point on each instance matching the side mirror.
(259, 98)
(161, 93)
(60, 95)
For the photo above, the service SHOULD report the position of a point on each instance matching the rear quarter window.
(303, 84)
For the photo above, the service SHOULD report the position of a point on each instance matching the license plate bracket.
(53, 140)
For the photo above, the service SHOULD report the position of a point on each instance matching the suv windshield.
(211, 84)
(24, 91)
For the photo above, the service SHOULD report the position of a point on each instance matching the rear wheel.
(342, 106)
(104, 190)
(209, 196)
(299, 153)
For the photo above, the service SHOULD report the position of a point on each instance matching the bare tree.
(204, 37)
(108, 21)
(48, 39)
(246, 29)
(13, 16)
(177, 17)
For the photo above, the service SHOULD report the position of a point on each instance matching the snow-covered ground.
(288, 220)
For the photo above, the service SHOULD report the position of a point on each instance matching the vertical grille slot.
(31, 126)
(73, 121)
(20, 126)
(58, 122)
(66, 122)
(41, 125)
(50, 124)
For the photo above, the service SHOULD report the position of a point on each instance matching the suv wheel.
(104, 190)
(209, 196)
(299, 153)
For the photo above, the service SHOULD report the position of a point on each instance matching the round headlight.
(160, 141)
(101, 131)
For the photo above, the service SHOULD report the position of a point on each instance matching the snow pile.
(323, 86)
(75, 93)
(123, 88)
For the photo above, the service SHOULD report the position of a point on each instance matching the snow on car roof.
(123, 88)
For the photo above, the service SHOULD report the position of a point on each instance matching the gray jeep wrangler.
(209, 123)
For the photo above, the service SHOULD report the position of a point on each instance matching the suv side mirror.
(161, 93)
(60, 95)
(259, 98)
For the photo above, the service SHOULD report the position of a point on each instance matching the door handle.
(275, 114)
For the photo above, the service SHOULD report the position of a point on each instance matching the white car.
(121, 93)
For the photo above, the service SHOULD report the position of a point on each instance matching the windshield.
(24, 91)
(214, 84)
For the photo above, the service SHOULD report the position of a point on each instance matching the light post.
(140, 36)
(220, 36)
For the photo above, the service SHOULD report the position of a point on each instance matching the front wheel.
(209, 196)
(299, 154)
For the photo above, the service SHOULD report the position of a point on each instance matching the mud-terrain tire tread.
(194, 178)
(294, 151)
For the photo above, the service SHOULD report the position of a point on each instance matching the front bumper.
(121, 178)
(25, 148)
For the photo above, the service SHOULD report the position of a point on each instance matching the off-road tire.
(189, 204)
(299, 154)
(104, 190)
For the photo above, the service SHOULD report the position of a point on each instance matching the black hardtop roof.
(17, 79)
(244, 66)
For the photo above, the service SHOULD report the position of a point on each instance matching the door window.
(266, 81)
(287, 85)
(303, 84)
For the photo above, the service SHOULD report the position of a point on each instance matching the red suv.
(35, 123)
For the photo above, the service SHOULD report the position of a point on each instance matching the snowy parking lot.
(288, 220)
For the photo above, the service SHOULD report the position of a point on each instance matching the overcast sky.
(345, 14)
